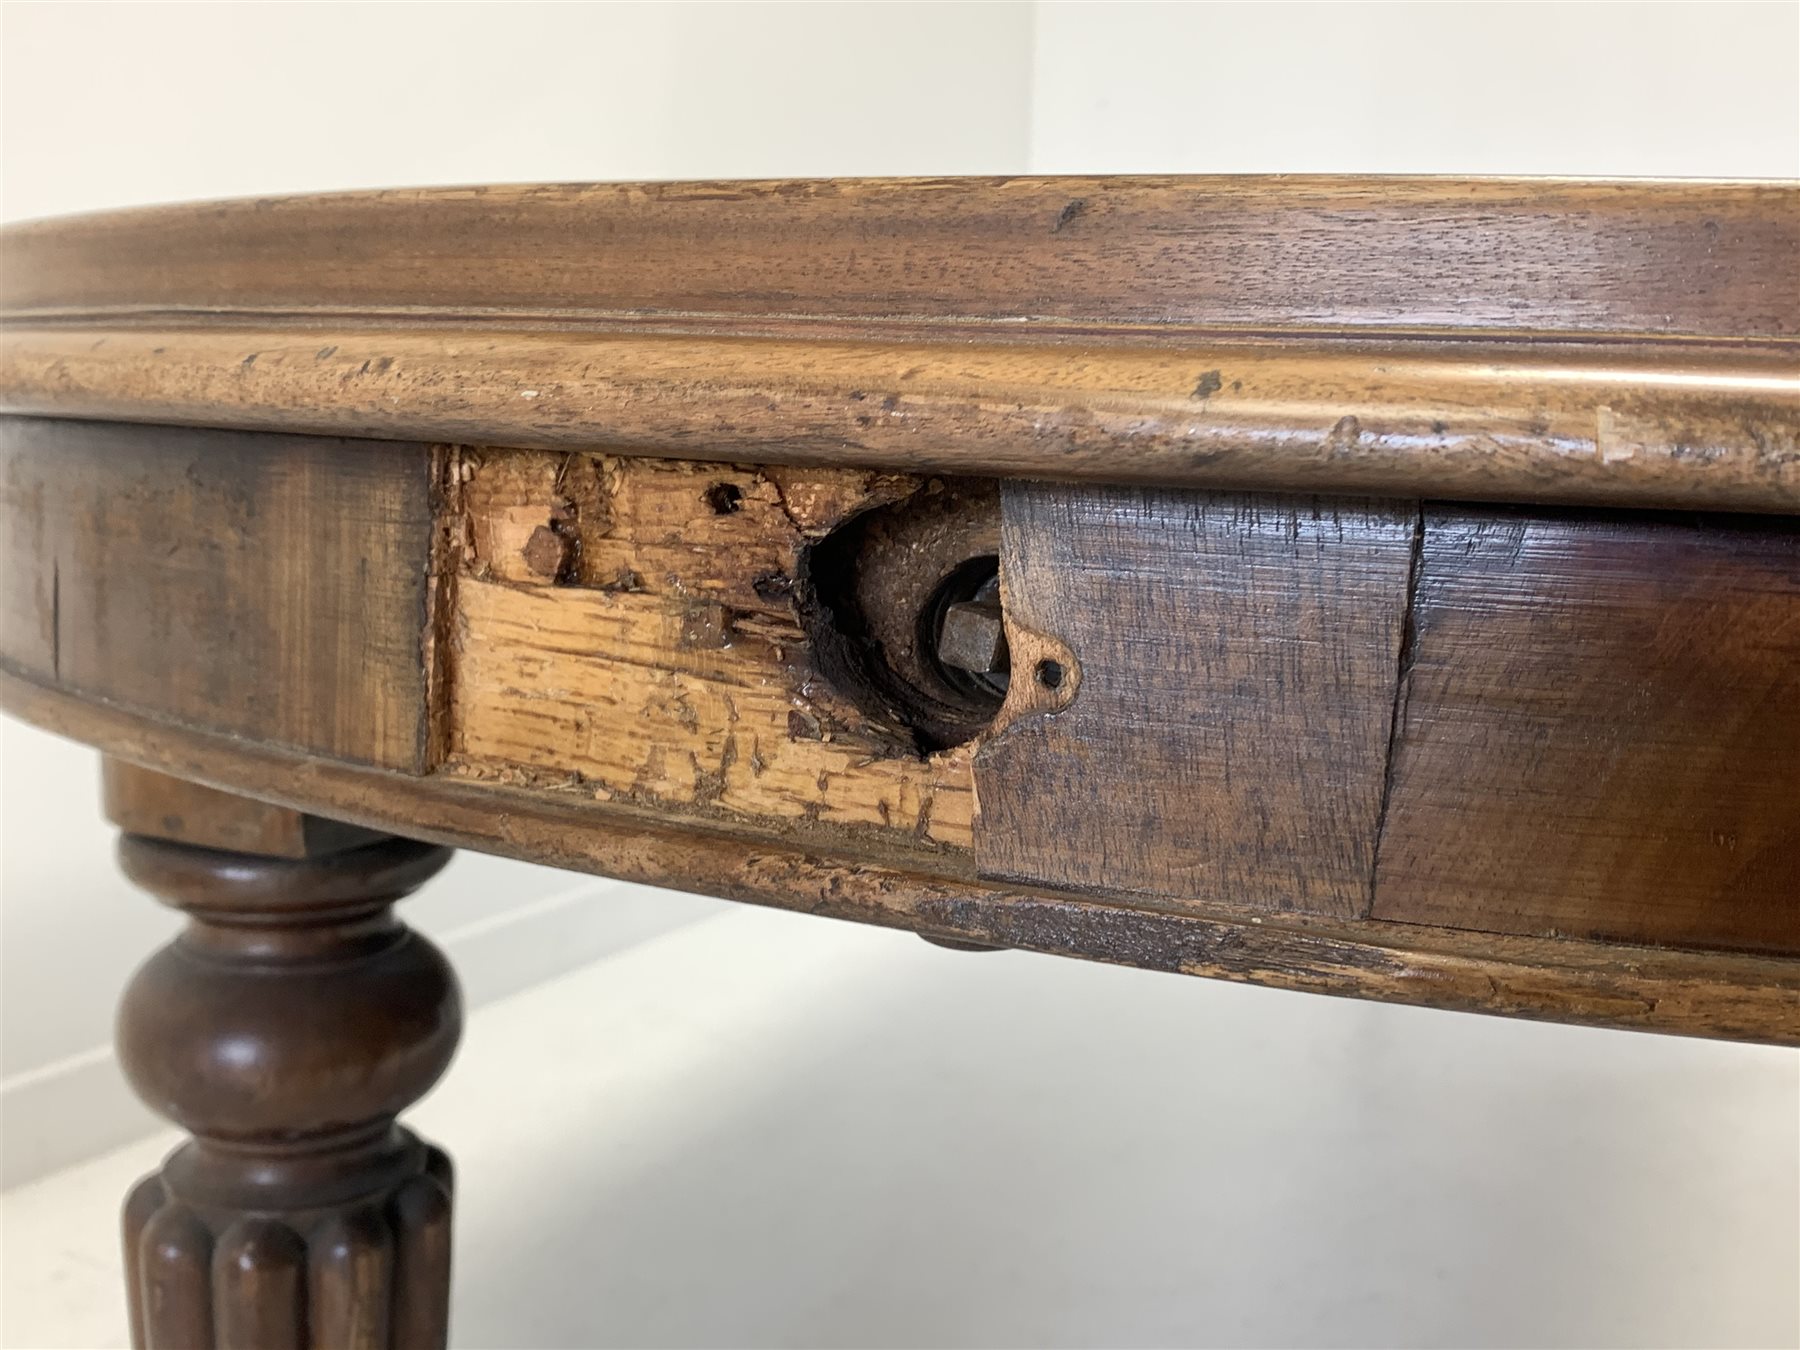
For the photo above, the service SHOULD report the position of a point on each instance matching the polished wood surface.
(1599, 730)
(1629, 343)
(1528, 255)
(284, 1029)
(1670, 423)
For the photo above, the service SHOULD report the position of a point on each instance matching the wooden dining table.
(1377, 587)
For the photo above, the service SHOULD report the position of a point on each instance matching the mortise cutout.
(724, 498)
(903, 611)
(670, 664)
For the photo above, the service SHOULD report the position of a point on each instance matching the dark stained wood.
(1722, 995)
(259, 1286)
(143, 802)
(284, 1029)
(1600, 731)
(1221, 674)
(666, 666)
(1626, 343)
(142, 1204)
(421, 1210)
(174, 1276)
(274, 587)
(1720, 259)
(352, 1273)
(1665, 423)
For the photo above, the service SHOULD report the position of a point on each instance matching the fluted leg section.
(286, 1029)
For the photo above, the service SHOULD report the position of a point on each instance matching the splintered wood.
(630, 629)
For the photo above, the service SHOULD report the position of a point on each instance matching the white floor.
(765, 1130)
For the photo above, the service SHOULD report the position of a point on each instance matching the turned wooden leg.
(285, 1028)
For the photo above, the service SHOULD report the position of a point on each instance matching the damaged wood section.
(631, 631)
(1539, 723)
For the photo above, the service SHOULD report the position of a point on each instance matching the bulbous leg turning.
(285, 1029)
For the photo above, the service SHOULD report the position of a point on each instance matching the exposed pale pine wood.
(635, 697)
(671, 669)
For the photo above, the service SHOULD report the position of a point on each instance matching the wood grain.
(174, 1279)
(1600, 731)
(1668, 423)
(1725, 995)
(661, 658)
(1629, 343)
(1541, 255)
(1466, 759)
(284, 1028)
(273, 587)
(258, 1286)
(1596, 732)
(1223, 684)
(155, 806)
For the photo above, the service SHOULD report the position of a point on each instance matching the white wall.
(1595, 90)
(122, 105)
(154, 102)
